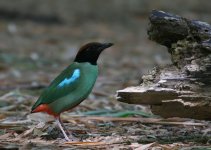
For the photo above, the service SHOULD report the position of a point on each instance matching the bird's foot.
(71, 138)
(68, 137)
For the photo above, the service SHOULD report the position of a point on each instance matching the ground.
(33, 53)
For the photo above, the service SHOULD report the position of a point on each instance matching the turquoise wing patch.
(67, 81)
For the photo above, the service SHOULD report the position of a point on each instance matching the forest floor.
(32, 54)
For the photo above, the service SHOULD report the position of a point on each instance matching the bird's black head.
(90, 52)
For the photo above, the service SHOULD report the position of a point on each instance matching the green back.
(61, 98)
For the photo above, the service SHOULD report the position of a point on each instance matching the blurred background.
(40, 38)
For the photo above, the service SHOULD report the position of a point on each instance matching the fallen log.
(182, 89)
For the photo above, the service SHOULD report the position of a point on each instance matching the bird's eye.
(88, 49)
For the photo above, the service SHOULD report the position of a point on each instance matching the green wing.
(66, 82)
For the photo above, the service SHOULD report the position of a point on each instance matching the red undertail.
(45, 108)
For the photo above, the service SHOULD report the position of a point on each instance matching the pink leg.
(61, 128)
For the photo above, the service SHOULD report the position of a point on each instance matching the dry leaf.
(145, 147)
(85, 143)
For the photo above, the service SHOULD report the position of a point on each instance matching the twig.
(142, 120)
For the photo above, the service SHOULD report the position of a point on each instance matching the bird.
(72, 85)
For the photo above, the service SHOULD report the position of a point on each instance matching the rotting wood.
(182, 89)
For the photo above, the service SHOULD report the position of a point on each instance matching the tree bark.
(182, 89)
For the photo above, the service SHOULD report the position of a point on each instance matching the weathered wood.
(182, 89)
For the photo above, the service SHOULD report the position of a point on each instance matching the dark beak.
(106, 45)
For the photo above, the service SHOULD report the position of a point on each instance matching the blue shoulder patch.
(66, 81)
